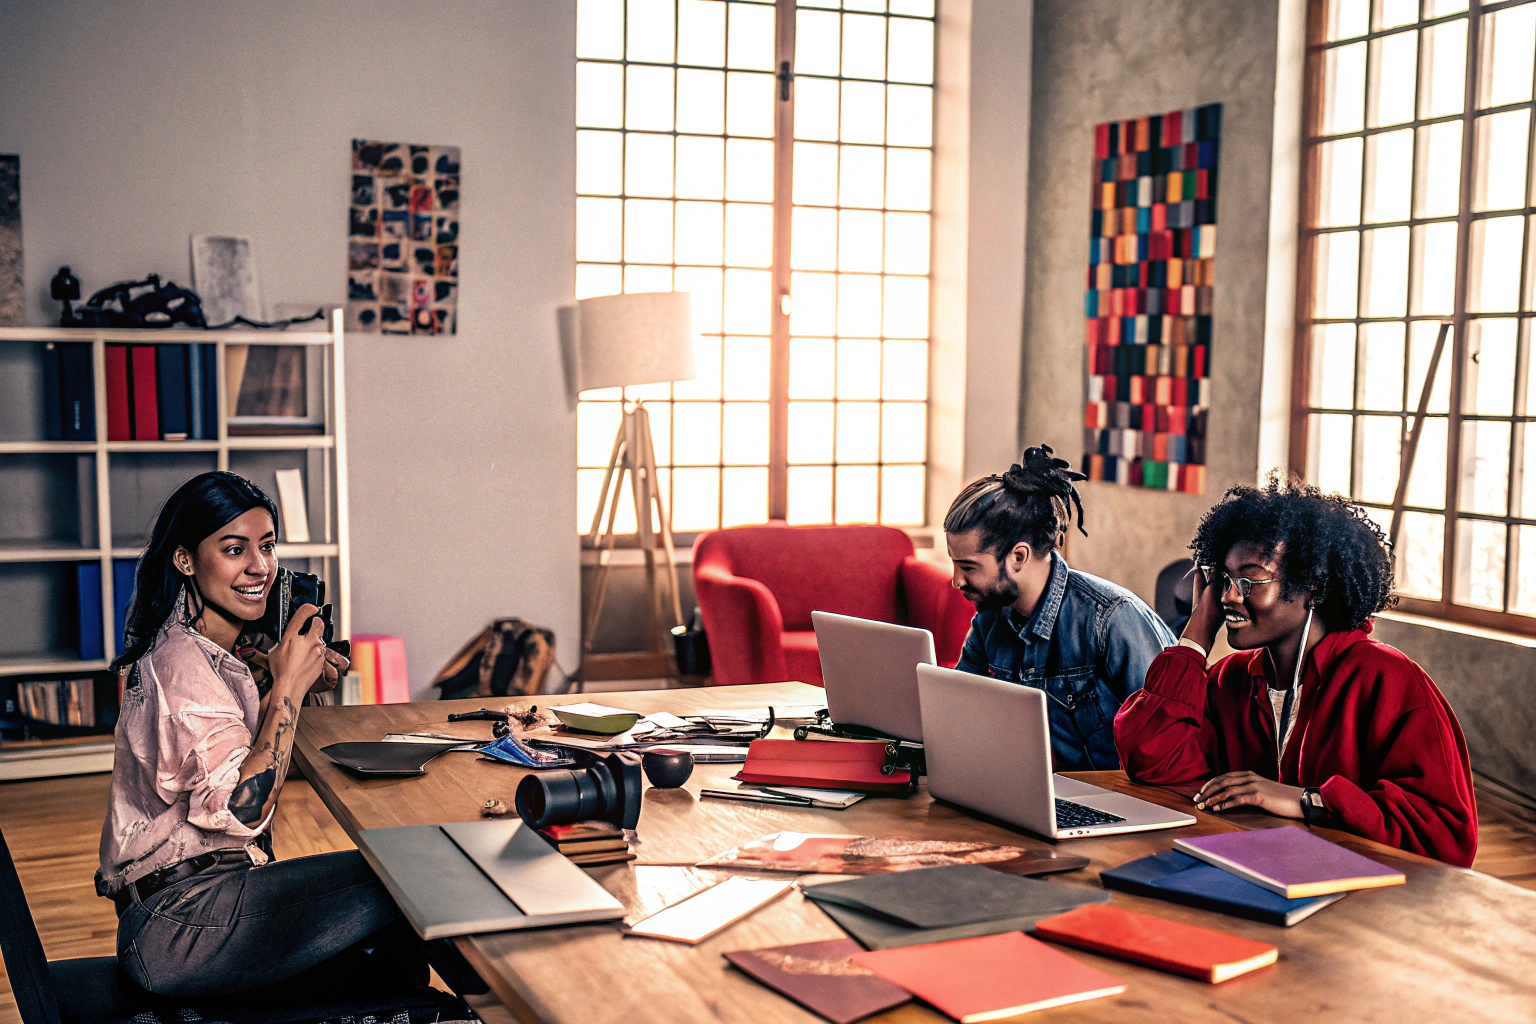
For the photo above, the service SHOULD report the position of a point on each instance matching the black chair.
(1175, 595)
(92, 990)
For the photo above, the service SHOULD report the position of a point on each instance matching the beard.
(1000, 593)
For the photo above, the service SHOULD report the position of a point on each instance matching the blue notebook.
(88, 608)
(1179, 878)
(123, 570)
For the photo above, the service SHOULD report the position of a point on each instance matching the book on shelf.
(69, 402)
(123, 570)
(58, 701)
(119, 401)
(203, 392)
(290, 497)
(173, 393)
(142, 373)
(88, 610)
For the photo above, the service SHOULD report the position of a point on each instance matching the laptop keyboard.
(1071, 815)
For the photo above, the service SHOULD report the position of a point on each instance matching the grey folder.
(937, 904)
(482, 876)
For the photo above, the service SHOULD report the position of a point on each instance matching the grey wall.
(1100, 60)
(140, 124)
(1103, 60)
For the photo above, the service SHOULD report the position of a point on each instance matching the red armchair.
(757, 587)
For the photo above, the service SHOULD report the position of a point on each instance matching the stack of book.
(154, 392)
(589, 843)
(58, 701)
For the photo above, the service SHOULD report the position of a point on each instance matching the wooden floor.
(53, 828)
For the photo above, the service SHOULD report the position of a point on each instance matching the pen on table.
(759, 797)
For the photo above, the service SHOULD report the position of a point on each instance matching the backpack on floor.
(509, 658)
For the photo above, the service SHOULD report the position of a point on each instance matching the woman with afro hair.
(1311, 719)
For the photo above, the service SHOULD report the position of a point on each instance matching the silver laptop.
(868, 670)
(988, 745)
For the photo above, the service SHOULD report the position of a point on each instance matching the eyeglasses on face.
(1244, 585)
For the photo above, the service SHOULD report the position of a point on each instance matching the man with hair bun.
(1311, 719)
(1085, 641)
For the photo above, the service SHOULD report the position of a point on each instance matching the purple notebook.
(1290, 861)
(821, 977)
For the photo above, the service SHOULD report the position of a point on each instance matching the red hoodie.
(1372, 731)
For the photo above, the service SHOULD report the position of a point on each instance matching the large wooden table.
(1451, 945)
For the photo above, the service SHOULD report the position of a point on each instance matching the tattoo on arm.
(248, 799)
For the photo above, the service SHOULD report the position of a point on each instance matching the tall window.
(775, 160)
(1419, 205)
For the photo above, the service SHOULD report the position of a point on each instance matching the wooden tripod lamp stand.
(627, 341)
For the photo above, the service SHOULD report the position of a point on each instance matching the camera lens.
(605, 790)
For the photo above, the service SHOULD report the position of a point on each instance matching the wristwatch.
(1313, 811)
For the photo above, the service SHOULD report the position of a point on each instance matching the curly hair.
(1326, 544)
(1032, 502)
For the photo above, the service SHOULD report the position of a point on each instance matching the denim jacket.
(1088, 646)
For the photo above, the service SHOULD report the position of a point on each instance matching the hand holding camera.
(299, 655)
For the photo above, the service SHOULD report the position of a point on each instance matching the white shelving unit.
(326, 468)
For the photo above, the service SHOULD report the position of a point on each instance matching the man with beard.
(1085, 641)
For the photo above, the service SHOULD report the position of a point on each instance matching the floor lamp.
(627, 341)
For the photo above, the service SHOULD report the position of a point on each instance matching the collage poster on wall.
(1151, 249)
(10, 241)
(403, 238)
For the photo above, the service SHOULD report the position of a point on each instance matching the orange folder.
(991, 977)
(1167, 945)
(825, 764)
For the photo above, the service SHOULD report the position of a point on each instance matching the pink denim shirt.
(189, 712)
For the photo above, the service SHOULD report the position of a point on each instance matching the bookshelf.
(95, 471)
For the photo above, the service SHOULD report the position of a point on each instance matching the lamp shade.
(627, 340)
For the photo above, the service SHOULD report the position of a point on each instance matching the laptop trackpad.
(1074, 789)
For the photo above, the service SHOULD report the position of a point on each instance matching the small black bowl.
(667, 769)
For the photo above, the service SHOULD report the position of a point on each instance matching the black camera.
(601, 789)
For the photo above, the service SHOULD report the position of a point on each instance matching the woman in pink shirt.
(201, 753)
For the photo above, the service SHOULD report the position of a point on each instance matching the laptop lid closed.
(867, 668)
(988, 745)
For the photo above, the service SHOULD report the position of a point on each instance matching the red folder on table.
(824, 764)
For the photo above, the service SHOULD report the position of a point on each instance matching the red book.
(991, 977)
(392, 684)
(1166, 945)
(119, 416)
(825, 764)
(146, 401)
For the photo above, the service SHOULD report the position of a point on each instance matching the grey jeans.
(235, 927)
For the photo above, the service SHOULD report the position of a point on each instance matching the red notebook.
(991, 977)
(825, 764)
(1167, 945)
(119, 415)
(146, 401)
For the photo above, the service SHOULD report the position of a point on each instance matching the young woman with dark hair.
(1085, 641)
(1311, 719)
(201, 753)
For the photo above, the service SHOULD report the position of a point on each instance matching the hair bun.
(1041, 472)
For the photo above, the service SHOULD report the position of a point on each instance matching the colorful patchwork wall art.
(1150, 255)
(403, 238)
